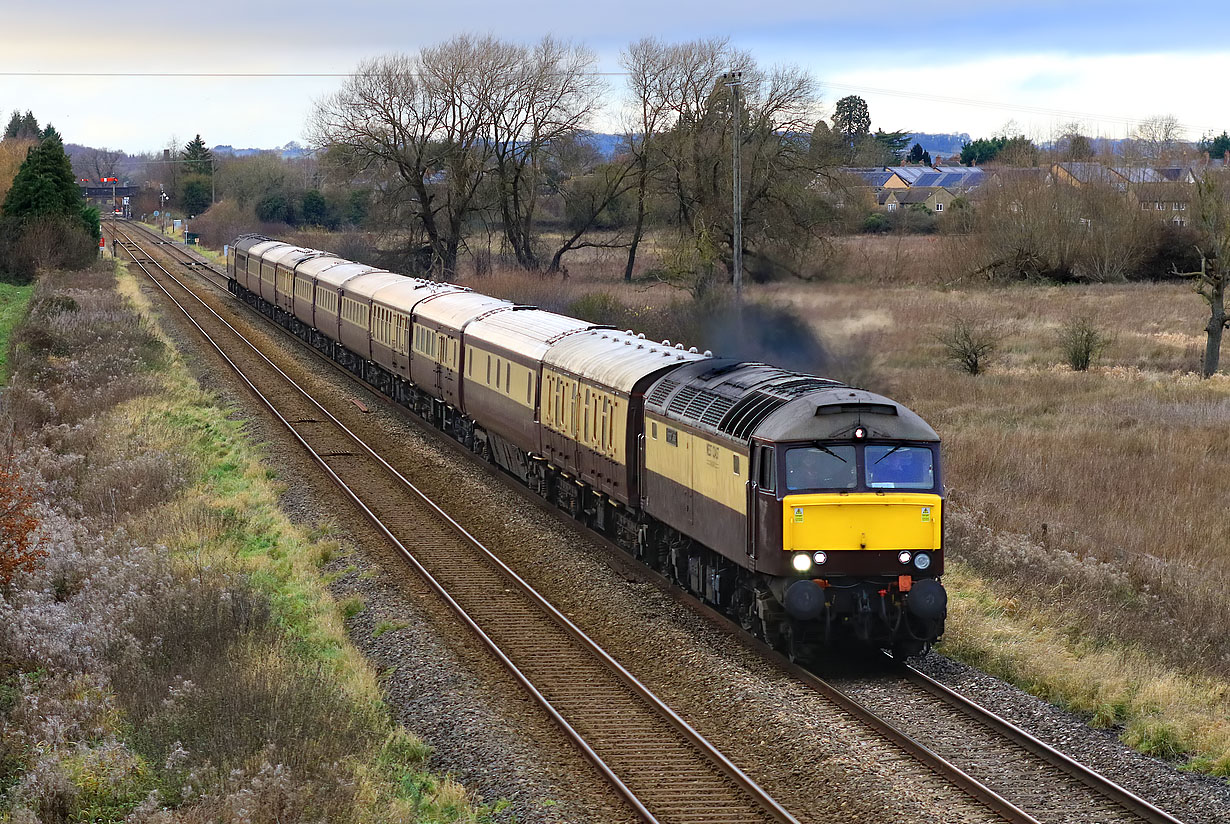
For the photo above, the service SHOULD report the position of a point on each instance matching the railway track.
(1017, 777)
(1027, 772)
(665, 770)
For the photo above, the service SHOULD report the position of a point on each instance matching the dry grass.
(176, 655)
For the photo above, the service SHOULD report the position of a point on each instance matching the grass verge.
(13, 302)
(198, 667)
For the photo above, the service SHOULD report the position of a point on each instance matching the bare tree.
(1210, 280)
(647, 62)
(96, 164)
(543, 96)
(419, 119)
(776, 113)
(1156, 139)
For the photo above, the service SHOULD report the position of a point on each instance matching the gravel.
(1192, 798)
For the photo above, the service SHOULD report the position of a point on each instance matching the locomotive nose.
(927, 600)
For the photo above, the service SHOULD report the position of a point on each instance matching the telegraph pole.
(734, 81)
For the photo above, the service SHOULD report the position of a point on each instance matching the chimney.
(939, 161)
(166, 155)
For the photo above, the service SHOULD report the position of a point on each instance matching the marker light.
(922, 560)
(820, 558)
(903, 557)
(859, 433)
(802, 562)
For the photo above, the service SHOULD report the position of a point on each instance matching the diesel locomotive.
(809, 511)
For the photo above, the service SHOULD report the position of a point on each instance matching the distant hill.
(944, 145)
(291, 149)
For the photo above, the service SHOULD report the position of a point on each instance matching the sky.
(93, 69)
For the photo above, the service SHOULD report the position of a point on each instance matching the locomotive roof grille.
(804, 385)
(660, 392)
(743, 418)
(716, 410)
(681, 399)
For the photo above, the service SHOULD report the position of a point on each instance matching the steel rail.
(758, 794)
(1125, 798)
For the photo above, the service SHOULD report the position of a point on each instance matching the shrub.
(1082, 343)
(18, 551)
(969, 343)
(876, 224)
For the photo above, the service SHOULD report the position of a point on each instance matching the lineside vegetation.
(169, 653)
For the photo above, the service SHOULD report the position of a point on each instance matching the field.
(1089, 512)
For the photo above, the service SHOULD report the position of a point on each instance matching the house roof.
(919, 194)
(1091, 173)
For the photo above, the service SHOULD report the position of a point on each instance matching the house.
(1168, 202)
(936, 198)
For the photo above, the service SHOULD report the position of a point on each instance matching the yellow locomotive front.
(850, 522)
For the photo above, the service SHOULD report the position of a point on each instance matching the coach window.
(653, 430)
(672, 437)
(529, 390)
(736, 462)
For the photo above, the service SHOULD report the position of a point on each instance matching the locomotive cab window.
(768, 469)
(821, 467)
(899, 467)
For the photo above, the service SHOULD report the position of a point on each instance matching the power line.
(1020, 108)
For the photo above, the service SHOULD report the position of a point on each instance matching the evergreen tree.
(893, 144)
(45, 187)
(50, 131)
(14, 127)
(916, 154)
(1215, 146)
(852, 118)
(29, 129)
(200, 159)
(197, 194)
(927, 159)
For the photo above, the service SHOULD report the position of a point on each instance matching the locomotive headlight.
(903, 557)
(802, 562)
(820, 558)
(922, 560)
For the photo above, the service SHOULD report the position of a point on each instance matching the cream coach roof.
(614, 359)
(526, 331)
(456, 309)
(370, 283)
(262, 249)
(314, 266)
(403, 296)
(285, 256)
(337, 274)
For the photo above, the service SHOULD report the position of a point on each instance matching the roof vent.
(641, 336)
(666, 343)
(708, 353)
(692, 350)
(627, 331)
(678, 345)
